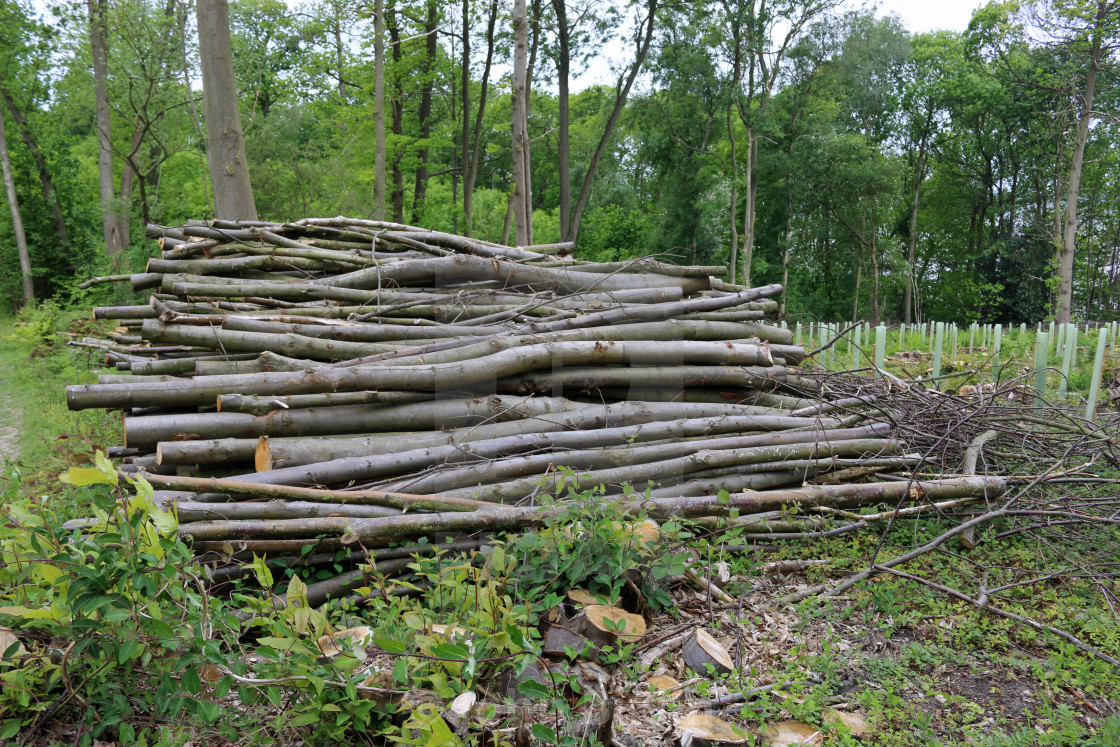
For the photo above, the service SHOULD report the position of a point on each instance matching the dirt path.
(9, 429)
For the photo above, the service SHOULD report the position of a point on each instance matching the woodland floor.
(9, 427)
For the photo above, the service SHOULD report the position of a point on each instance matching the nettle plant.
(116, 612)
(591, 541)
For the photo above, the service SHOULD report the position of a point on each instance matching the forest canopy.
(879, 174)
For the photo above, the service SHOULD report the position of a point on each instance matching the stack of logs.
(353, 383)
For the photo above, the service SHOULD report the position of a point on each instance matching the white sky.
(930, 15)
(918, 16)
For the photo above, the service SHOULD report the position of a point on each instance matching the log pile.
(340, 380)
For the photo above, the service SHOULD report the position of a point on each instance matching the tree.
(229, 168)
(522, 200)
(17, 219)
(761, 34)
(111, 221)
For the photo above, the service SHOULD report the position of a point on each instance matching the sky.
(930, 15)
(918, 16)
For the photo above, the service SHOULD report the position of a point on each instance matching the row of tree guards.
(1052, 347)
(351, 384)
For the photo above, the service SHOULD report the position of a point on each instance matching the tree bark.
(1064, 305)
(379, 110)
(450, 376)
(50, 195)
(229, 168)
(397, 103)
(563, 64)
(519, 127)
(17, 218)
(100, 54)
(424, 114)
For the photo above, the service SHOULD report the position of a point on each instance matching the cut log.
(703, 653)
(705, 730)
(607, 626)
(346, 641)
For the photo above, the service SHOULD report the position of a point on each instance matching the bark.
(471, 174)
(97, 32)
(229, 168)
(50, 195)
(749, 209)
(504, 518)
(379, 110)
(522, 199)
(361, 459)
(622, 91)
(572, 381)
(1064, 305)
(585, 418)
(287, 492)
(189, 511)
(397, 104)
(563, 151)
(424, 114)
(255, 342)
(623, 455)
(147, 431)
(638, 476)
(912, 242)
(662, 331)
(450, 376)
(247, 403)
(17, 218)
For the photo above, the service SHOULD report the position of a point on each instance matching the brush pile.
(335, 381)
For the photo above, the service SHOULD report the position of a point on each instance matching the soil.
(9, 429)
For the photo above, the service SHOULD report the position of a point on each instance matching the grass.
(932, 671)
(35, 368)
(1016, 361)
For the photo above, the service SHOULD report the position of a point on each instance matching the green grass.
(35, 367)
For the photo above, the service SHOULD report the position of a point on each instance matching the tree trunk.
(874, 279)
(465, 103)
(424, 115)
(563, 64)
(113, 244)
(749, 209)
(915, 202)
(855, 298)
(733, 208)
(787, 240)
(476, 142)
(522, 198)
(398, 110)
(623, 91)
(229, 168)
(50, 195)
(1069, 232)
(379, 110)
(17, 219)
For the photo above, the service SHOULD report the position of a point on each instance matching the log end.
(262, 455)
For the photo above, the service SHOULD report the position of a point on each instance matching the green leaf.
(543, 733)
(533, 689)
(304, 719)
(454, 651)
(126, 650)
(79, 476)
(209, 711)
(389, 646)
(190, 681)
(263, 574)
